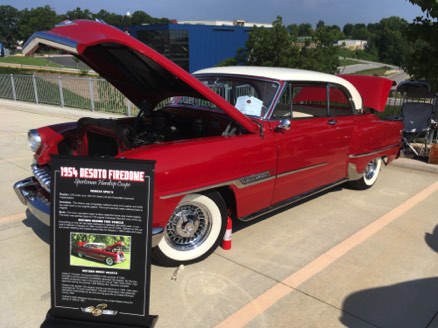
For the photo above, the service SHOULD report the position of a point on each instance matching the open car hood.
(144, 76)
(111, 247)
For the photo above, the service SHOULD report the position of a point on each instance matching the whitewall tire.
(369, 176)
(194, 230)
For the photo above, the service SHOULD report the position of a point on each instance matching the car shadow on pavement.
(39, 228)
(239, 225)
(432, 239)
(407, 304)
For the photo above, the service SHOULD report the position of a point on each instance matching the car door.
(313, 153)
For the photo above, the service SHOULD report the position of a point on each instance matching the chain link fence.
(76, 92)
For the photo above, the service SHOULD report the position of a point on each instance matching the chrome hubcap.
(370, 171)
(188, 227)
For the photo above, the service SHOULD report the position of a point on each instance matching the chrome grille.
(42, 174)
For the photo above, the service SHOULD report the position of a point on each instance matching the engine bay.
(109, 137)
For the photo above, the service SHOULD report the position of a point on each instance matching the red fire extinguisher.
(226, 242)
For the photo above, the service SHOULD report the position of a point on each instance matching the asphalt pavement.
(346, 258)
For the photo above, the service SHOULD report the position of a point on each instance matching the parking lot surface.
(346, 258)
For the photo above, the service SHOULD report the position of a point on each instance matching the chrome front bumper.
(28, 193)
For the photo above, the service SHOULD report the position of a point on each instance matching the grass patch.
(348, 62)
(27, 60)
(379, 71)
(87, 262)
(15, 71)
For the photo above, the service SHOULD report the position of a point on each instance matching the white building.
(237, 22)
(353, 44)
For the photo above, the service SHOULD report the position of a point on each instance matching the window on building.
(173, 44)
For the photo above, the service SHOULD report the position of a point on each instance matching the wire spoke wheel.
(189, 226)
(369, 176)
(193, 231)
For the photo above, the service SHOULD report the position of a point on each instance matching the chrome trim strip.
(301, 170)
(374, 152)
(240, 183)
(253, 179)
(245, 182)
(197, 190)
(290, 201)
(50, 40)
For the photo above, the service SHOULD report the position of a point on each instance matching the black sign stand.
(101, 238)
(54, 322)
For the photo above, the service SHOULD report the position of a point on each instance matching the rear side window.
(303, 101)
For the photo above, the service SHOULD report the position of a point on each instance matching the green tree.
(109, 18)
(293, 31)
(271, 46)
(422, 62)
(356, 31)
(36, 19)
(78, 13)
(324, 57)
(276, 47)
(305, 29)
(140, 17)
(387, 39)
(9, 26)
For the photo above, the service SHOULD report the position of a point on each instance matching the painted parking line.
(15, 159)
(4, 135)
(263, 302)
(12, 218)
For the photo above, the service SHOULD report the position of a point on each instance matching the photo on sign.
(101, 251)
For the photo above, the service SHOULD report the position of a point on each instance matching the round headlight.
(34, 140)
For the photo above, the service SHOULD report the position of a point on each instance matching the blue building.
(192, 46)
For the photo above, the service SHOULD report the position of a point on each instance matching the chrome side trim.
(51, 40)
(301, 170)
(290, 201)
(374, 152)
(245, 182)
(240, 183)
(223, 184)
(253, 179)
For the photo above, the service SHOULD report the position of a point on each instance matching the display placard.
(101, 234)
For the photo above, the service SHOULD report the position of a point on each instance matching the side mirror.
(284, 125)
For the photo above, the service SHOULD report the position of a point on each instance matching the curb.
(413, 164)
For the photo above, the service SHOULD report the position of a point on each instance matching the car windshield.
(95, 246)
(253, 97)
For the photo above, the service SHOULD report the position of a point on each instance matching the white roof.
(286, 74)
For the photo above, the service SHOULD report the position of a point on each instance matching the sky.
(332, 12)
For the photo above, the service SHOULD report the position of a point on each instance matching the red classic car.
(233, 142)
(101, 252)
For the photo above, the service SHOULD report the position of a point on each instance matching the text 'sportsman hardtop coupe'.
(98, 251)
(227, 141)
